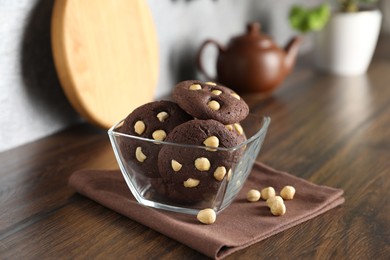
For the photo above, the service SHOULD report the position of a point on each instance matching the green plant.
(305, 19)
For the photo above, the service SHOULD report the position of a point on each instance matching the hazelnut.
(229, 127)
(238, 128)
(211, 141)
(272, 200)
(139, 154)
(220, 173)
(216, 92)
(253, 195)
(287, 192)
(278, 208)
(190, 183)
(159, 135)
(207, 216)
(202, 164)
(162, 116)
(229, 175)
(235, 96)
(267, 193)
(176, 166)
(195, 87)
(139, 127)
(214, 105)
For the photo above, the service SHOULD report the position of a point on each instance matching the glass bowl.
(156, 192)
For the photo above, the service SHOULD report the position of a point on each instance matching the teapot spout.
(291, 50)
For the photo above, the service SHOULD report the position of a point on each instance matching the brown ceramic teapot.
(252, 62)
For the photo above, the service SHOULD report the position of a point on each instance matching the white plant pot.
(346, 45)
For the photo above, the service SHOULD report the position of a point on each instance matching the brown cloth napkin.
(238, 226)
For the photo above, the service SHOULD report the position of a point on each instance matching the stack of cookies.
(203, 114)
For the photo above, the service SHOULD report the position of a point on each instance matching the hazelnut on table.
(253, 195)
(207, 216)
(278, 208)
(273, 200)
(287, 192)
(267, 193)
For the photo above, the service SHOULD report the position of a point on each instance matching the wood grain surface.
(329, 130)
(106, 56)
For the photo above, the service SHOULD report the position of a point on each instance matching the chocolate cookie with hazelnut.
(208, 100)
(197, 173)
(154, 121)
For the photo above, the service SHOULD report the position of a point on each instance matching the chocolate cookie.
(210, 101)
(198, 173)
(154, 121)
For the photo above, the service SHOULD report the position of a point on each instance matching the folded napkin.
(238, 226)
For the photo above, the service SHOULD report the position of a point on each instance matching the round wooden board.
(106, 56)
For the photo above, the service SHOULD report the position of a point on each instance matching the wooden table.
(329, 130)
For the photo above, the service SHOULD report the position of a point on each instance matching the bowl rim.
(266, 120)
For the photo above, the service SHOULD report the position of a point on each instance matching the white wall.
(32, 104)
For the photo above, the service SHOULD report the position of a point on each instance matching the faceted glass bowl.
(154, 192)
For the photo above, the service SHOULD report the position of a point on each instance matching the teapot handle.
(199, 57)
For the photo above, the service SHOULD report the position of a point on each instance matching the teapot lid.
(252, 38)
